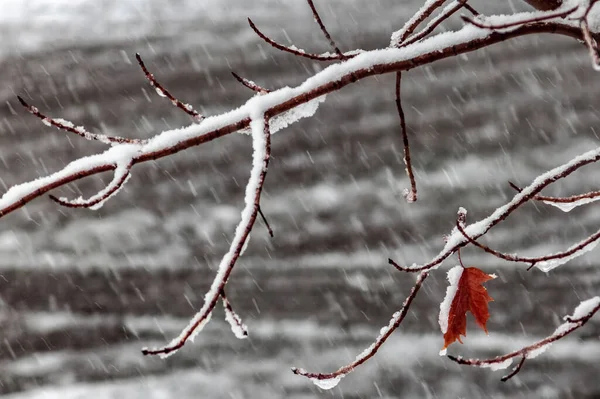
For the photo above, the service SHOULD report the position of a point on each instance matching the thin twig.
(515, 370)
(455, 242)
(264, 219)
(323, 29)
(430, 27)
(533, 350)
(561, 200)
(410, 195)
(299, 52)
(79, 130)
(409, 27)
(161, 91)
(539, 18)
(250, 84)
(385, 333)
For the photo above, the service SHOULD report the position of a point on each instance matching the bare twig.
(299, 52)
(264, 219)
(161, 91)
(324, 29)
(446, 13)
(386, 332)
(540, 18)
(250, 84)
(515, 370)
(588, 308)
(410, 195)
(237, 325)
(253, 193)
(79, 130)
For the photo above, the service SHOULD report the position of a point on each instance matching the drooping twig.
(324, 29)
(161, 91)
(261, 146)
(78, 130)
(539, 18)
(299, 52)
(409, 194)
(546, 260)
(385, 333)
(584, 312)
(122, 174)
(250, 84)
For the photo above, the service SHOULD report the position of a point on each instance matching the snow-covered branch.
(584, 312)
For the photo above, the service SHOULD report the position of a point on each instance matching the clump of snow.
(498, 366)
(569, 206)
(453, 276)
(327, 383)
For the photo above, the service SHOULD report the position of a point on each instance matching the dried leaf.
(466, 293)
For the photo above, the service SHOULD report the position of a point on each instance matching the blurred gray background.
(82, 291)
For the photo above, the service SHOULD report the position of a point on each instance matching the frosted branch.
(511, 21)
(565, 204)
(409, 27)
(330, 380)
(261, 147)
(239, 329)
(544, 262)
(78, 130)
(459, 239)
(584, 312)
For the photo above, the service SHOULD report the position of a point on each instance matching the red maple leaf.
(465, 295)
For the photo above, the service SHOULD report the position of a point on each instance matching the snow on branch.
(330, 380)
(543, 262)
(584, 312)
(458, 239)
(261, 153)
(565, 204)
(78, 130)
